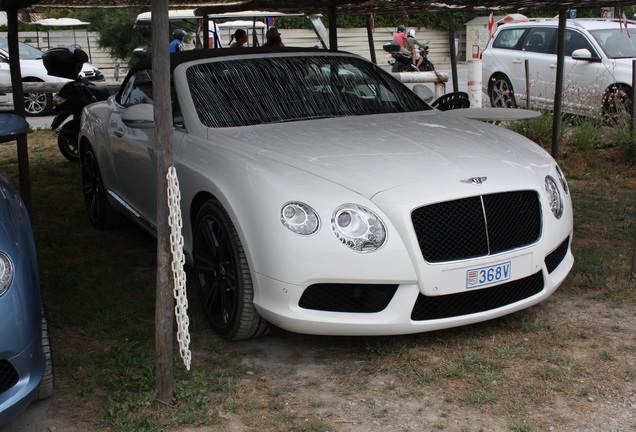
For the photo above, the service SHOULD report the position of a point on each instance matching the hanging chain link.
(178, 260)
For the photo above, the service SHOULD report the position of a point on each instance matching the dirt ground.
(303, 370)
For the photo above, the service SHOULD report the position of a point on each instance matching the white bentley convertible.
(322, 196)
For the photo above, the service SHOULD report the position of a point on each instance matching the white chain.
(178, 259)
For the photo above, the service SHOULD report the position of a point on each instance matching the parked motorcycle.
(66, 62)
(403, 62)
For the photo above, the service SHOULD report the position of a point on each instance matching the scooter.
(403, 62)
(69, 102)
(66, 62)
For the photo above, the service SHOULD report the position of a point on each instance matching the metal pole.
(370, 38)
(527, 65)
(558, 90)
(453, 54)
(333, 29)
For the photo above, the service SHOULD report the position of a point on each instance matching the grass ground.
(566, 364)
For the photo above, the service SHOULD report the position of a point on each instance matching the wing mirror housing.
(583, 54)
(140, 116)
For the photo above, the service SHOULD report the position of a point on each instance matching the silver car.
(597, 66)
(321, 195)
(33, 70)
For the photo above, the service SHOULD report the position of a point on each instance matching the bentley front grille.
(477, 226)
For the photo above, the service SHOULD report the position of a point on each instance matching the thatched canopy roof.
(321, 6)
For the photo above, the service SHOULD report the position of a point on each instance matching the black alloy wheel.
(223, 276)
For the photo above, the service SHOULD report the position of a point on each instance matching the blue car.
(26, 366)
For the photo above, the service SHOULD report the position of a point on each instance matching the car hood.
(371, 154)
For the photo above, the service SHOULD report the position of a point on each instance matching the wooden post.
(632, 112)
(24, 171)
(164, 308)
(634, 245)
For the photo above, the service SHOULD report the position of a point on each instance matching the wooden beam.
(44, 87)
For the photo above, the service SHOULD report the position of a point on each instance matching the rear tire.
(100, 212)
(67, 140)
(223, 276)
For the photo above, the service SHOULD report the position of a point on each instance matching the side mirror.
(425, 93)
(582, 54)
(140, 116)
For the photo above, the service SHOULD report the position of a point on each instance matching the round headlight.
(299, 218)
(554, 197)
(6, 272)
(358, 228)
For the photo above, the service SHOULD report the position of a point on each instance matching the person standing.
(273, 38)
(177, 41)
(214, 36)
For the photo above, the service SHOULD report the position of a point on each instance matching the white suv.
(33, 70)
(597, 72)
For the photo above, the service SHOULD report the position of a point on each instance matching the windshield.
(615, 43)
(258, 90)
(27, 52)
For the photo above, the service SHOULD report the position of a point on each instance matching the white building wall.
(352, 40)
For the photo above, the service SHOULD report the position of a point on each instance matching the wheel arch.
(494, 76)
(620, 85)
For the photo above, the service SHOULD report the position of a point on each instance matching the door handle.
(516, 61)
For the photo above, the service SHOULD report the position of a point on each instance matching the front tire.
(100, 212)
(617, 104)
(427, 66)
(45, 389)
(223, 276)
(501, 93)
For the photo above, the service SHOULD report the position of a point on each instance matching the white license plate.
(493, 274)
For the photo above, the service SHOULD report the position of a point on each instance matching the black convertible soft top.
(185, 56)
